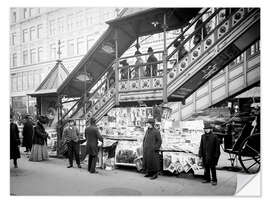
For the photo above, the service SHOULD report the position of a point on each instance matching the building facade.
(34, 36)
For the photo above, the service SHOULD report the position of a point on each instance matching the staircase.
(225, 39)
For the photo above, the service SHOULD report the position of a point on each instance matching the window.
(79, 19)
(62, 49)
(89, 42)
(80, 46)
(31, 79)
(39, 31)
(36, 78)
(40, 54)
(13, 38)
(20, 85)
(25, 57)
(52, 51)
(14, 82)
(14, 17)
(33, 56)
(32, 33)
(14, 60)
(70, 48)
(25, 35)
(252, 49)
(70, 22)
(52, 27)
(25, 13)
(31, 12)
(25, 81)
(61, 24)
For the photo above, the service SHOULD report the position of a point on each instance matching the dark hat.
(124, 62)
(43, 119)
(137, 52)
(207, 126)
(92, 120)
(70, 120)
(150, 120)
(150, 49)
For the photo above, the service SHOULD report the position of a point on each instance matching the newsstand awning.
(102, 54)
(52, 81)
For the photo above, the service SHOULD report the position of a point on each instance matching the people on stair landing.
(153, 65)
(138, 69)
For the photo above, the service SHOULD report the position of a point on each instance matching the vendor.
(151, 145)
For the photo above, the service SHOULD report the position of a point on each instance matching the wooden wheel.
(249, 154)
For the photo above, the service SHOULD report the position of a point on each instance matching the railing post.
(116, 70)
(165, 99)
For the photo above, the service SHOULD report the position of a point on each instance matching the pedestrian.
(71, 136)
(27, 134)
(200, 32)
(151, 145)
(39, 150)
(209, 152)
(14, 142)
(138, 69)
(151, 59)
(124, 70)
(92, 136)
(181, 49)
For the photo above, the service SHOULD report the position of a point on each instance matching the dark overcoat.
(209, 149)
(27, 134)
(92, 136)
(151, 144)
(40, 135)
(14, 141)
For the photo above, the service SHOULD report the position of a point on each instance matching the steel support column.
(116, 70)
(245, 68)
(165, 99)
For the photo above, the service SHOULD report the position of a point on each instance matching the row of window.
(67, 49)
(32, 33)
(28, 80)
(25, 13)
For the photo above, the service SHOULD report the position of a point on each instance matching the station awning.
(102, 54)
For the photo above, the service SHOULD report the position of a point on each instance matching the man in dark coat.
(92, 136)
(151, 144)
(151, 59)
(71, 136)
(27, 134)
(14, 142)
(209, 152)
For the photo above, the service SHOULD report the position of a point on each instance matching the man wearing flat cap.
(209, 152)
(71, 136)
(151, 145)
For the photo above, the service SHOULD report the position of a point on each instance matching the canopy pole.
(165, 99)
(85, 95)
(116, 70)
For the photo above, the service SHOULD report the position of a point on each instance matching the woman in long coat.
(39, 149)
(151, 144)
(14, 143)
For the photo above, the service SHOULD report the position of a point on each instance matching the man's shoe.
(15, 166)
(69, 166)
(147, 175)
(206, 181)
(79, 166)
(214, 182)
(154, 177)
(94, 172)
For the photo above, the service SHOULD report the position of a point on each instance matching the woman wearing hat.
(124, 70)
(209, 152)
(39, 149)
(138, 69)
(151, 144)
(14, 142)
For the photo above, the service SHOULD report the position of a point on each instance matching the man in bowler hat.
(209, 152)
(151, 144)
(92, 136)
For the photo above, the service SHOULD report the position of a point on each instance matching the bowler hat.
(92, 120)
(123, 62)
(150, 49)
(150, 120)
(207, 126)
(43, 119)
(137, 52)
(70, 120)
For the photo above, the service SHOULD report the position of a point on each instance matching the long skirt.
(39, 153)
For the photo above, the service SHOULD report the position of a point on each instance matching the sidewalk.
(53, 178)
